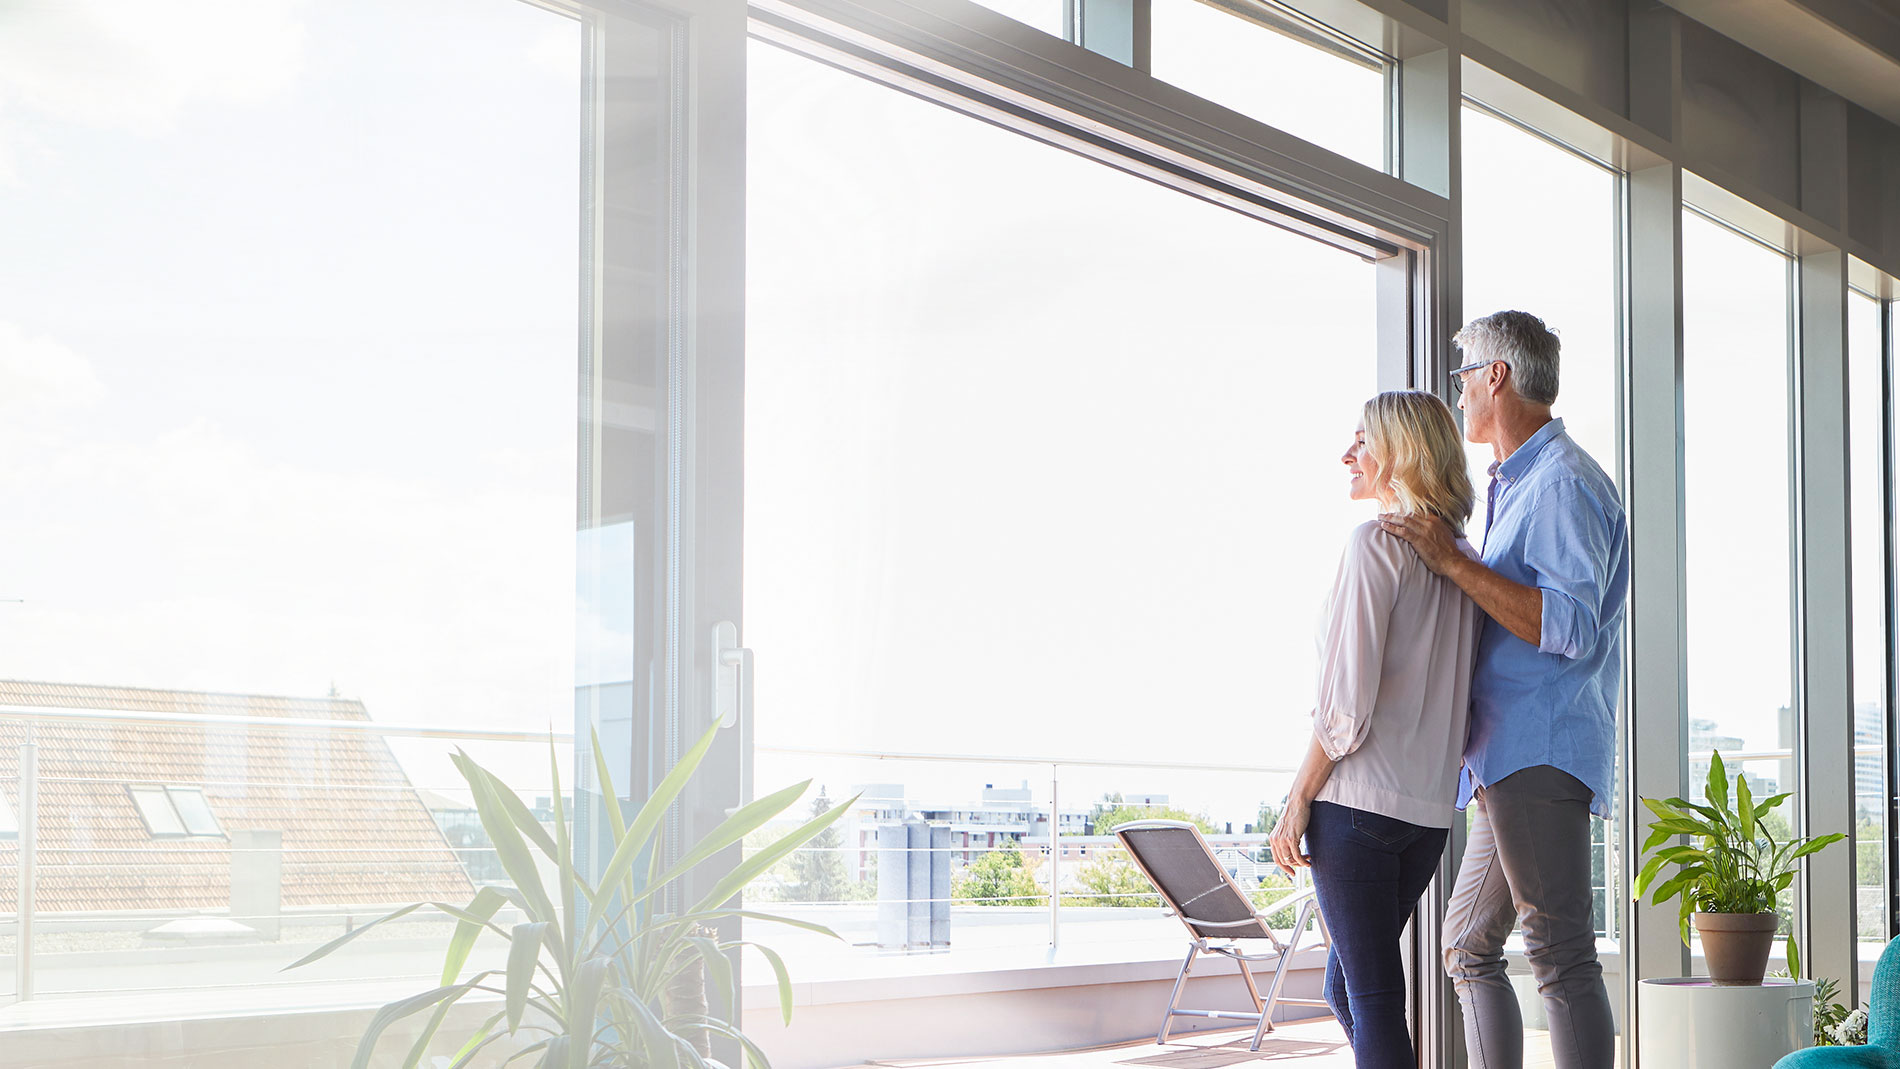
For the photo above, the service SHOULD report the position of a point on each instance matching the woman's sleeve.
(1352, 643)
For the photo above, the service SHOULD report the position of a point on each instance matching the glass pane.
(1524, 193)
(1866, 371)
(193, 811)
(1280, 70)
(1044, 15)
(1735, 455)
(1011, 464)
(296, 299)
(155, 808)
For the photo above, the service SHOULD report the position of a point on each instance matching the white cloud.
(135, 65)
(41, 377)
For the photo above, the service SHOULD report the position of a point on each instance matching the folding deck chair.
(1197, 889)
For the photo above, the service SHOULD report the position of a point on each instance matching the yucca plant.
(584, 993)
(1733, 862)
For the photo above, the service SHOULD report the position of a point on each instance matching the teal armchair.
(1883, 1027)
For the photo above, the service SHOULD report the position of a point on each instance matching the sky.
(1042, 458)
(287, 329)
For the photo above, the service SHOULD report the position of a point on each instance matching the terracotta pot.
(1736, 945)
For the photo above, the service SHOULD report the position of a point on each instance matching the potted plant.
(595, 975)
(1728, 875)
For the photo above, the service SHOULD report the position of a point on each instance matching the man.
(1553, 582)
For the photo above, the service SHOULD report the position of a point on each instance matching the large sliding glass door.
(1026, 436)
(1736, 391)
(1524, 192)
(1042, 495)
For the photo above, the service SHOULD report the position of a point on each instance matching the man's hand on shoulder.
(1432, 537)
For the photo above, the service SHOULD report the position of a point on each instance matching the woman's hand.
(1285, 840)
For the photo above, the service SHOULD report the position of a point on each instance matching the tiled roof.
(354, 831)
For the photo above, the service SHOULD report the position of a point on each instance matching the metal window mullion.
(1824, 685)
(1892, 603)
(1655, 755)
(1426, 149)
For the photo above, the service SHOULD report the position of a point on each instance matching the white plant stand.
(1689, 1022)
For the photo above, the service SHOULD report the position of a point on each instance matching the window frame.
(169, 794)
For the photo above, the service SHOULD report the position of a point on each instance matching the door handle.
(732, 675)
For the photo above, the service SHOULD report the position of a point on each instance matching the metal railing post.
(1055, 857)
(29, 822)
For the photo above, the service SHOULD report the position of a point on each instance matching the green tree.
(1870, 864)
(1273, 887)
(1112, 812)
(999, 878)
(1111, 879)
(817, 872)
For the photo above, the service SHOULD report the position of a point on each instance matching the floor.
(1313, 1044)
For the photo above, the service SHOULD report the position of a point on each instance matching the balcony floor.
(1316, 1044)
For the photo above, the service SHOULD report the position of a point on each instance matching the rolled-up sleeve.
(1352, 641)
(1568, 546)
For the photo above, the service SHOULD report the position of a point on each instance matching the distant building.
(1704, 736)
(1870, 771)
(1000, 815)
(139, 813)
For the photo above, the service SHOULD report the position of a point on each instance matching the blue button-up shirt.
(1554, 522)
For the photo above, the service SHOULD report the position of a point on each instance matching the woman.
(1374, 795)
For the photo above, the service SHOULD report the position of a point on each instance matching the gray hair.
(1521, 340)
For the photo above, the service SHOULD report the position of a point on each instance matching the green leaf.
(629, 843)
(483, 1036)
(784, 981)
(1643, 878)
(349, 935)
(616, 820)
(1794, 957)
(1745, 802)
(1664, 810)
(421, 1046)
(468, 927)
(748, 870)
(518, 812)
(523, 954)
(743, 821)
(1813, 845)
(1674, 885)
(754, 1056)
(657, 1041)
(582, 1008)
(1656, 838)
(506, 838)
(1714, 822)
(563, 848)
(718, 969)
(401, 1008)
(540, 1046)
(1718, 781)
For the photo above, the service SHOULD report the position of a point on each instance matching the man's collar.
(1514, 466)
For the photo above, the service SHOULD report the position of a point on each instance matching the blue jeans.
(1369, 871)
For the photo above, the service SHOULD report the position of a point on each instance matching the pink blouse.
(1396, 644)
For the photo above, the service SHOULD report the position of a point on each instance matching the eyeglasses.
(1458, 373)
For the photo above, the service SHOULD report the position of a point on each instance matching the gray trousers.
(1528, 862)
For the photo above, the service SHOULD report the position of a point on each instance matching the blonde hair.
(1411, 436)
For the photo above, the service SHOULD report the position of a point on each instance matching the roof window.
(175, 812)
